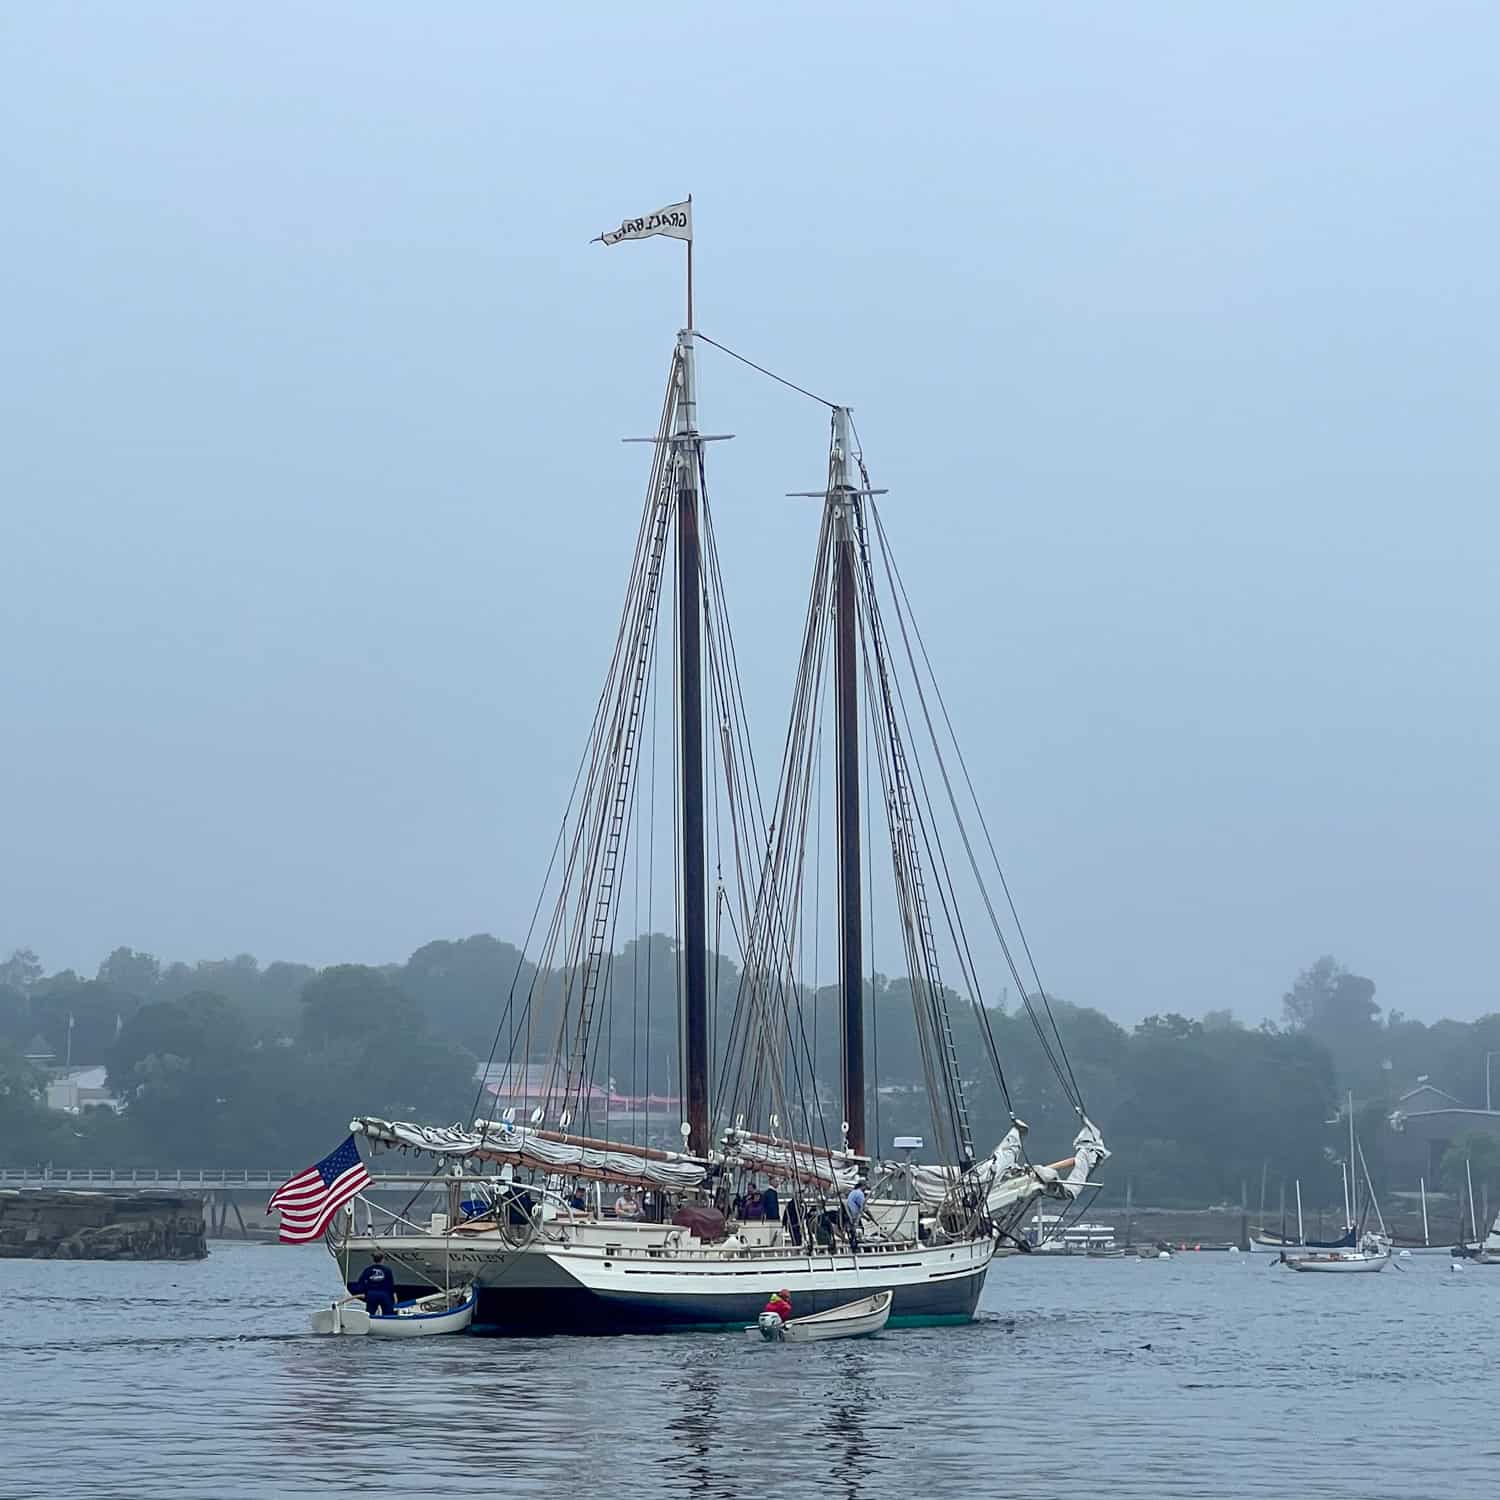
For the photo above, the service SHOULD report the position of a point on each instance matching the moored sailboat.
(1369, 1255)
(755, 1114)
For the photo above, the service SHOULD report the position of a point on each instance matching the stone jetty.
(101, 1226)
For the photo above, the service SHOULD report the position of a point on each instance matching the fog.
(1171, 331)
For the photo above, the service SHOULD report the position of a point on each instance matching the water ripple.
(1206, 1375)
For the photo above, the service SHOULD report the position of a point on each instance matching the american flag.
(311, 1198)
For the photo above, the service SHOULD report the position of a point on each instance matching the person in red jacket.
(781, 1305)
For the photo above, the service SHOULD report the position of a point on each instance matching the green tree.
(29, 1132)
(21, 970)
(1478, 1156)
(131, 973)
(80, 1019)
(1328, 1001)
(15, 1016)
(201, 1027)
(348, 1002)
(462, 987)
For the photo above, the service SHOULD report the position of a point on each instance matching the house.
(79, 1089)
(653, 1118)
(1424, 1097)
(38, 1053)
(1427, 1121)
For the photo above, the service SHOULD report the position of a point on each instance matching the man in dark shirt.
(377, 1286)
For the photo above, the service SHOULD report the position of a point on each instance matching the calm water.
(177, 1381)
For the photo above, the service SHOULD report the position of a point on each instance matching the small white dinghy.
(442, 1312)
(852, 1320)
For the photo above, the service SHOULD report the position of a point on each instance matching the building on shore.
(1426, 1122)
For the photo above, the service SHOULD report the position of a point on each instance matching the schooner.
(528, 1221)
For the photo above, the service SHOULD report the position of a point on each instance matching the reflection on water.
(1206, 1375)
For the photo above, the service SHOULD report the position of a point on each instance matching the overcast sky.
(1172, 330)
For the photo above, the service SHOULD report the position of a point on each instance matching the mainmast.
(687, 448)
(843, 496)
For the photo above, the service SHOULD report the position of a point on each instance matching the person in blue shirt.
(854, 1208)
(377, 1286)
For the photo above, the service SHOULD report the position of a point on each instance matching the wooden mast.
(843, 495)
(686, 451)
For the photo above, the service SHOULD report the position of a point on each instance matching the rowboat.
(441, 1312)
(852, 1320)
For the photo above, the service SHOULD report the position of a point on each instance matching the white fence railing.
(208, 1177)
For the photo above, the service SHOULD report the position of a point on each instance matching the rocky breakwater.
(101, 1226)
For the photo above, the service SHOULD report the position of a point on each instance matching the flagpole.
(690, 266)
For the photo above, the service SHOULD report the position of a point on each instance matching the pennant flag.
(675, 220)
(310, 1199)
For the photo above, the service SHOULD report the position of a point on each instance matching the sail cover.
(790, 1160)
(502, 1141)
(1010, 1181)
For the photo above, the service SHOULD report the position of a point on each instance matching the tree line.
(237, 1063)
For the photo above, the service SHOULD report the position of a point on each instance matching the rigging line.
(948, 900)
(608, 960)
(779, 905)
(910, 881)
(557, 844)
(678, 813)
(635, 975)
(596, 758)
(651, 873)
(925, 827)
(895, 572)
(900, 596)
(777, 922)
(1068, 1082)
(779, 899)
(870, 929)
(791, 385)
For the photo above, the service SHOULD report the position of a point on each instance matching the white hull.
(852, 1321)
(443, 1312)
(427, 1315)
(339, 1318)
(610, 1278)
(1343, 1263)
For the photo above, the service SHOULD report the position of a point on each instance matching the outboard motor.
(771, 1327)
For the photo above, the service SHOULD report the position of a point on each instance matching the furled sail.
(502, 1141)
(1011, 1182)
(791, 1160)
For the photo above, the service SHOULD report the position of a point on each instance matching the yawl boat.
(754, 1109)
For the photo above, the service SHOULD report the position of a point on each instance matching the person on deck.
(823, 1229)
(770, 1205)
(754, 1204)
(377, 1286)
(793, 1221)
(854, 1208)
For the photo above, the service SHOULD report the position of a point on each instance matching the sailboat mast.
(686, 451)
(1353, 1205)
(845, 496)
